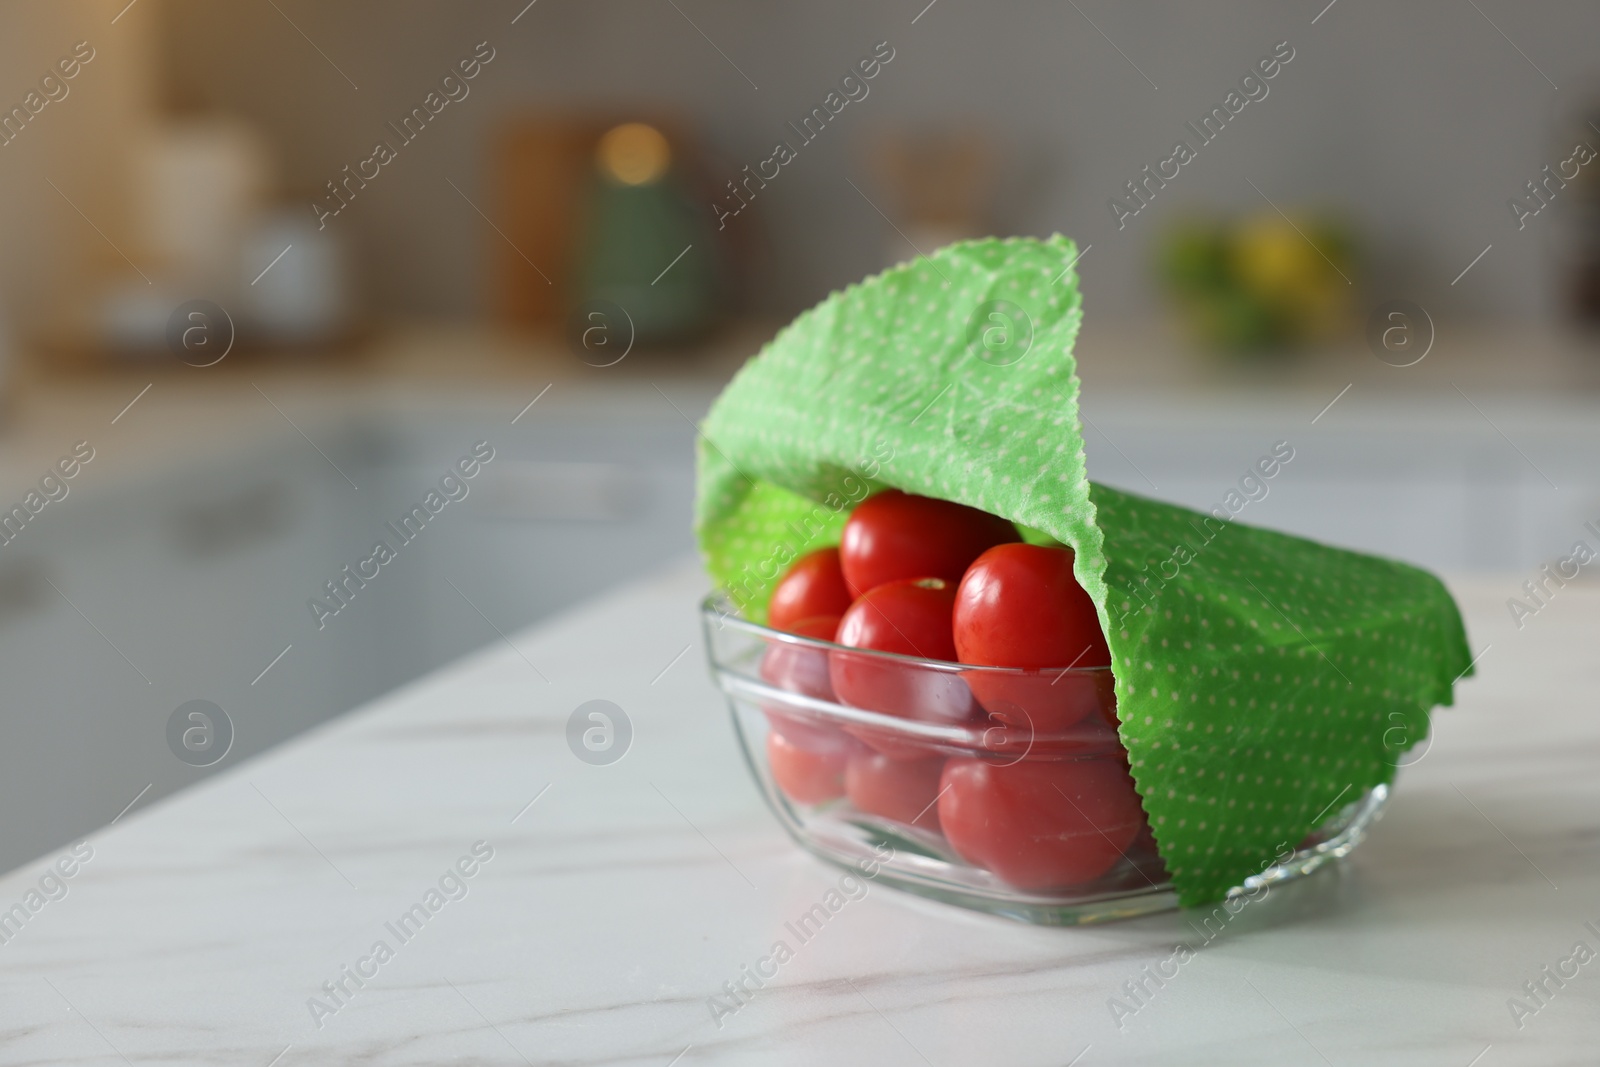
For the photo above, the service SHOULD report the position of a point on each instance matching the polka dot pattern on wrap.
(1263, 680)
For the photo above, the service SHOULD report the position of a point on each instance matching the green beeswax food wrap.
(1263, 681)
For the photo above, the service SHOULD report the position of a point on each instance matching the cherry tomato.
(1070, 708)
(1049, 721)
(813, 586)
(904, 790)
(895, 535)
(1040, 824)
(802, 669)
(911, 618)
(805, 774)
(1020, 606)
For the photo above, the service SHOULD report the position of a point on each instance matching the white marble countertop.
(623, 898)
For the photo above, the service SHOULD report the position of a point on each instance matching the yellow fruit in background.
(1262, 282)
(1279, 264)
(1271, 258)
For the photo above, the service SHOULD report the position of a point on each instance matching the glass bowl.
(997, 789)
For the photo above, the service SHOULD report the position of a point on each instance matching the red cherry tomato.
(802, 669)
(1063, 708)
(1035, 719)
(813, 586)
(1040, 824)
(904, 790)
(806, 775)
(910, 618)
(895, 535)
(1020, 606)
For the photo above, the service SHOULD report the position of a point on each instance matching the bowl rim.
(712, 608)
(992, 740)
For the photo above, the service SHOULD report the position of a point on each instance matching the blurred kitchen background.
(276, 336)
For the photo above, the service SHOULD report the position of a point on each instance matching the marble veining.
(620, 900)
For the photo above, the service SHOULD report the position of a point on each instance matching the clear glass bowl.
(866, 756)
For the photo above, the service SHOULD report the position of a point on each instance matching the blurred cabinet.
(192, 582)
(1447, 496)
